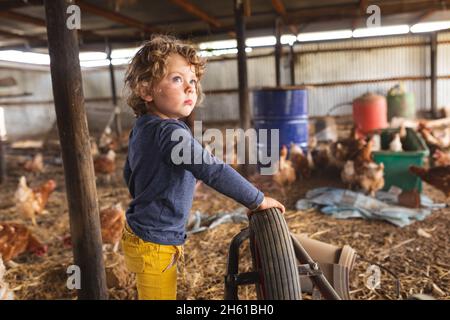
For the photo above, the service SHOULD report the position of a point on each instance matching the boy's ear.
(145, 93)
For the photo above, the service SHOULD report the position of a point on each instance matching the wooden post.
(292, 64)
(75, 147)
(111, 72)
(244, 105)
(244, 108)
(117, 122)
(278, 50)
(433, 66)
(2, 146)
(2, 161)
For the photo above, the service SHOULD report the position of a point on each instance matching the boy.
(163, 79)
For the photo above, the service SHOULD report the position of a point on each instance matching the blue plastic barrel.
(284, 109)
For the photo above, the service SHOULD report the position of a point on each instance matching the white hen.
(396, 143)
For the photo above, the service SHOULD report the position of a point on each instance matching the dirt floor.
(422, 264)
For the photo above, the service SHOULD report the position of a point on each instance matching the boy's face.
(176, 94)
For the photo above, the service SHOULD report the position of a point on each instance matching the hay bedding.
(421, 260)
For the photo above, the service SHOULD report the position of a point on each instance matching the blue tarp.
(344, 204)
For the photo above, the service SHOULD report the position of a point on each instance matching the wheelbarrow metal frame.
(308, 267)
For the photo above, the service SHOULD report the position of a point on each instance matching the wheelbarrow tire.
(274, 257)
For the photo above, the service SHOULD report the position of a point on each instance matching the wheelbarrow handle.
(319, 279)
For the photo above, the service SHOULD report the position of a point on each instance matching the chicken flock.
(438, 141)
(31, 199)
(352, 156)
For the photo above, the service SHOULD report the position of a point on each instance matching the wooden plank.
(114, 16)
(74, 137)
(279, 7)
(422, 16)
(22, 18)
(349, 10)
(196, 11)
(13, 35)
(15, 4)
(363, 4)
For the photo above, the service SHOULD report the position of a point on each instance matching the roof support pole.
(292, 64)
(244, 108)
(278, 51)
(2, 146)
(2, 161)
(112, 77)
(433, 66)
(75, 147)
(244, 105)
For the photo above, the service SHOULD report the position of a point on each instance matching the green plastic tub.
(396, 164)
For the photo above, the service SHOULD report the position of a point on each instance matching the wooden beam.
(77, 160)
(196, 11)
(346, 11)
(247, 8)
(363, 4)
(422, 17)
(8, 34)
(307, 15)
(15, 4)
(279, 7)
(22, 18)
(35, 21)
(114, 16)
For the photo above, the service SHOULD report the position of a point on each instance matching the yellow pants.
(155, 266)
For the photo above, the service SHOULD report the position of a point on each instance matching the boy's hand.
(266, 204)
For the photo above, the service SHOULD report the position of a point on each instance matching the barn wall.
(317, 64)
(399, 57)
(29, 109)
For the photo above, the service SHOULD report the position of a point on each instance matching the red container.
(370, 113)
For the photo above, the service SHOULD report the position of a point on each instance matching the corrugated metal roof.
(169, 17)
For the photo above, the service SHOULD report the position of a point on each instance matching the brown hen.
(441, 158)
(300, 161)
(105, 165)
(32, 202)
(285, 176)
(16, 239)
(438, 177)
(112, 221)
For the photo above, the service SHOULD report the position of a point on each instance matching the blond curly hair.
(149, 66)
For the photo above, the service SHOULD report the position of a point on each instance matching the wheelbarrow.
(276, 272)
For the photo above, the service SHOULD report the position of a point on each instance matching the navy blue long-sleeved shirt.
(163, 188)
